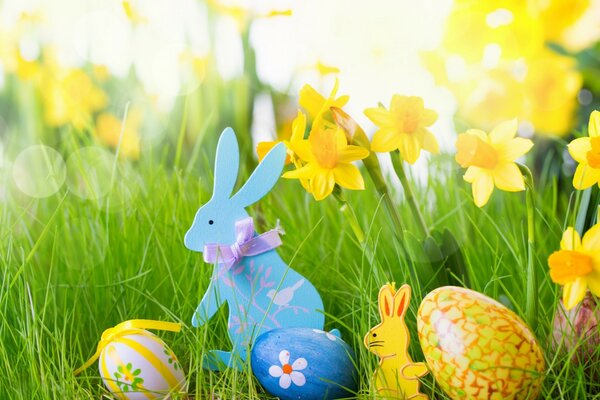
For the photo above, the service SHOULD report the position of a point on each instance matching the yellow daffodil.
(577, 265)
(586, 151)
(324, 69)
(244, 16)
(298, 129)
(328, 159)
(108, 129)
(550, 89)
(70, 96)
(473, 25)
(490, 159)
(404, 127)
(133, 13)
(558, 15)
(316, 105)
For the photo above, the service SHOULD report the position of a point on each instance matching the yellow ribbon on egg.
(134, 326)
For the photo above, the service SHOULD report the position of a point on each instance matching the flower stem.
(410, 197)
(350, 215)
(356, 136)
(374, 170)
(531, 304)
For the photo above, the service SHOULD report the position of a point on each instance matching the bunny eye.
(210, 222)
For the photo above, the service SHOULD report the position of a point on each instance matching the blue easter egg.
(304, 363)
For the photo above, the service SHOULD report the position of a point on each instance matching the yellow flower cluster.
(68, 96)
(325, 158)
(494, 58)
(577, 264)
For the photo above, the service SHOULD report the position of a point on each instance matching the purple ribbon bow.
(246, 244)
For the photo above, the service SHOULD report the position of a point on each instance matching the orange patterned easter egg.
(476, 348)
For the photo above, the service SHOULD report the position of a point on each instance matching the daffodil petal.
(428, 117)
(322, 183)
(385, 140)
(579, 148)
(585, 176)
(310, 100)
(593, 282)
(380, 117)
(574, 292)
(472, 173)
(340, 138)
(594, 124)
(399, 102)
(409, 148)
(298, 127)
(570, 240)
(514, 148)
(302, 149)
(591, 239)
(306, 172)
(479, 133)
(352, 153)
(263, 148)
(348, 176)
(508, 177)
(483, 186)
(429, 142)
(504, 131)
(340, 101)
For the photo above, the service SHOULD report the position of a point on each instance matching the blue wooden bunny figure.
(262, 292)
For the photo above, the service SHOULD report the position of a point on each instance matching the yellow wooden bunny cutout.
(397, 376)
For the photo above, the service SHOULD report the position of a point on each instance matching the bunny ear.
(386, 302)
(401, 300)
(263, 178)
(226, 164)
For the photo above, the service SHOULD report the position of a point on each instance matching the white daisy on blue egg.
(288, 373)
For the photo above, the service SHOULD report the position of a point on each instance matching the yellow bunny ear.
(401, 301)
(386, 301)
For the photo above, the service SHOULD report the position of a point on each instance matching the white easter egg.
(140, 366)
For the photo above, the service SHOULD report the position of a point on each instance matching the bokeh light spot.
(499, 17)
(585, 97)
(456, 68)
(39, 171)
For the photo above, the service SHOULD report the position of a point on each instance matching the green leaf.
(436, 259)
(455, 262)
(422, 270)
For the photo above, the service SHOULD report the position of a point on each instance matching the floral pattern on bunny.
(254, 286)
(397, 375)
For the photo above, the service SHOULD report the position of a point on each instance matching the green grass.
(71, 268)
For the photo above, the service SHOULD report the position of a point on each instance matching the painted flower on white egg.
(172, 358)
(288, 373)
(126, 375)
